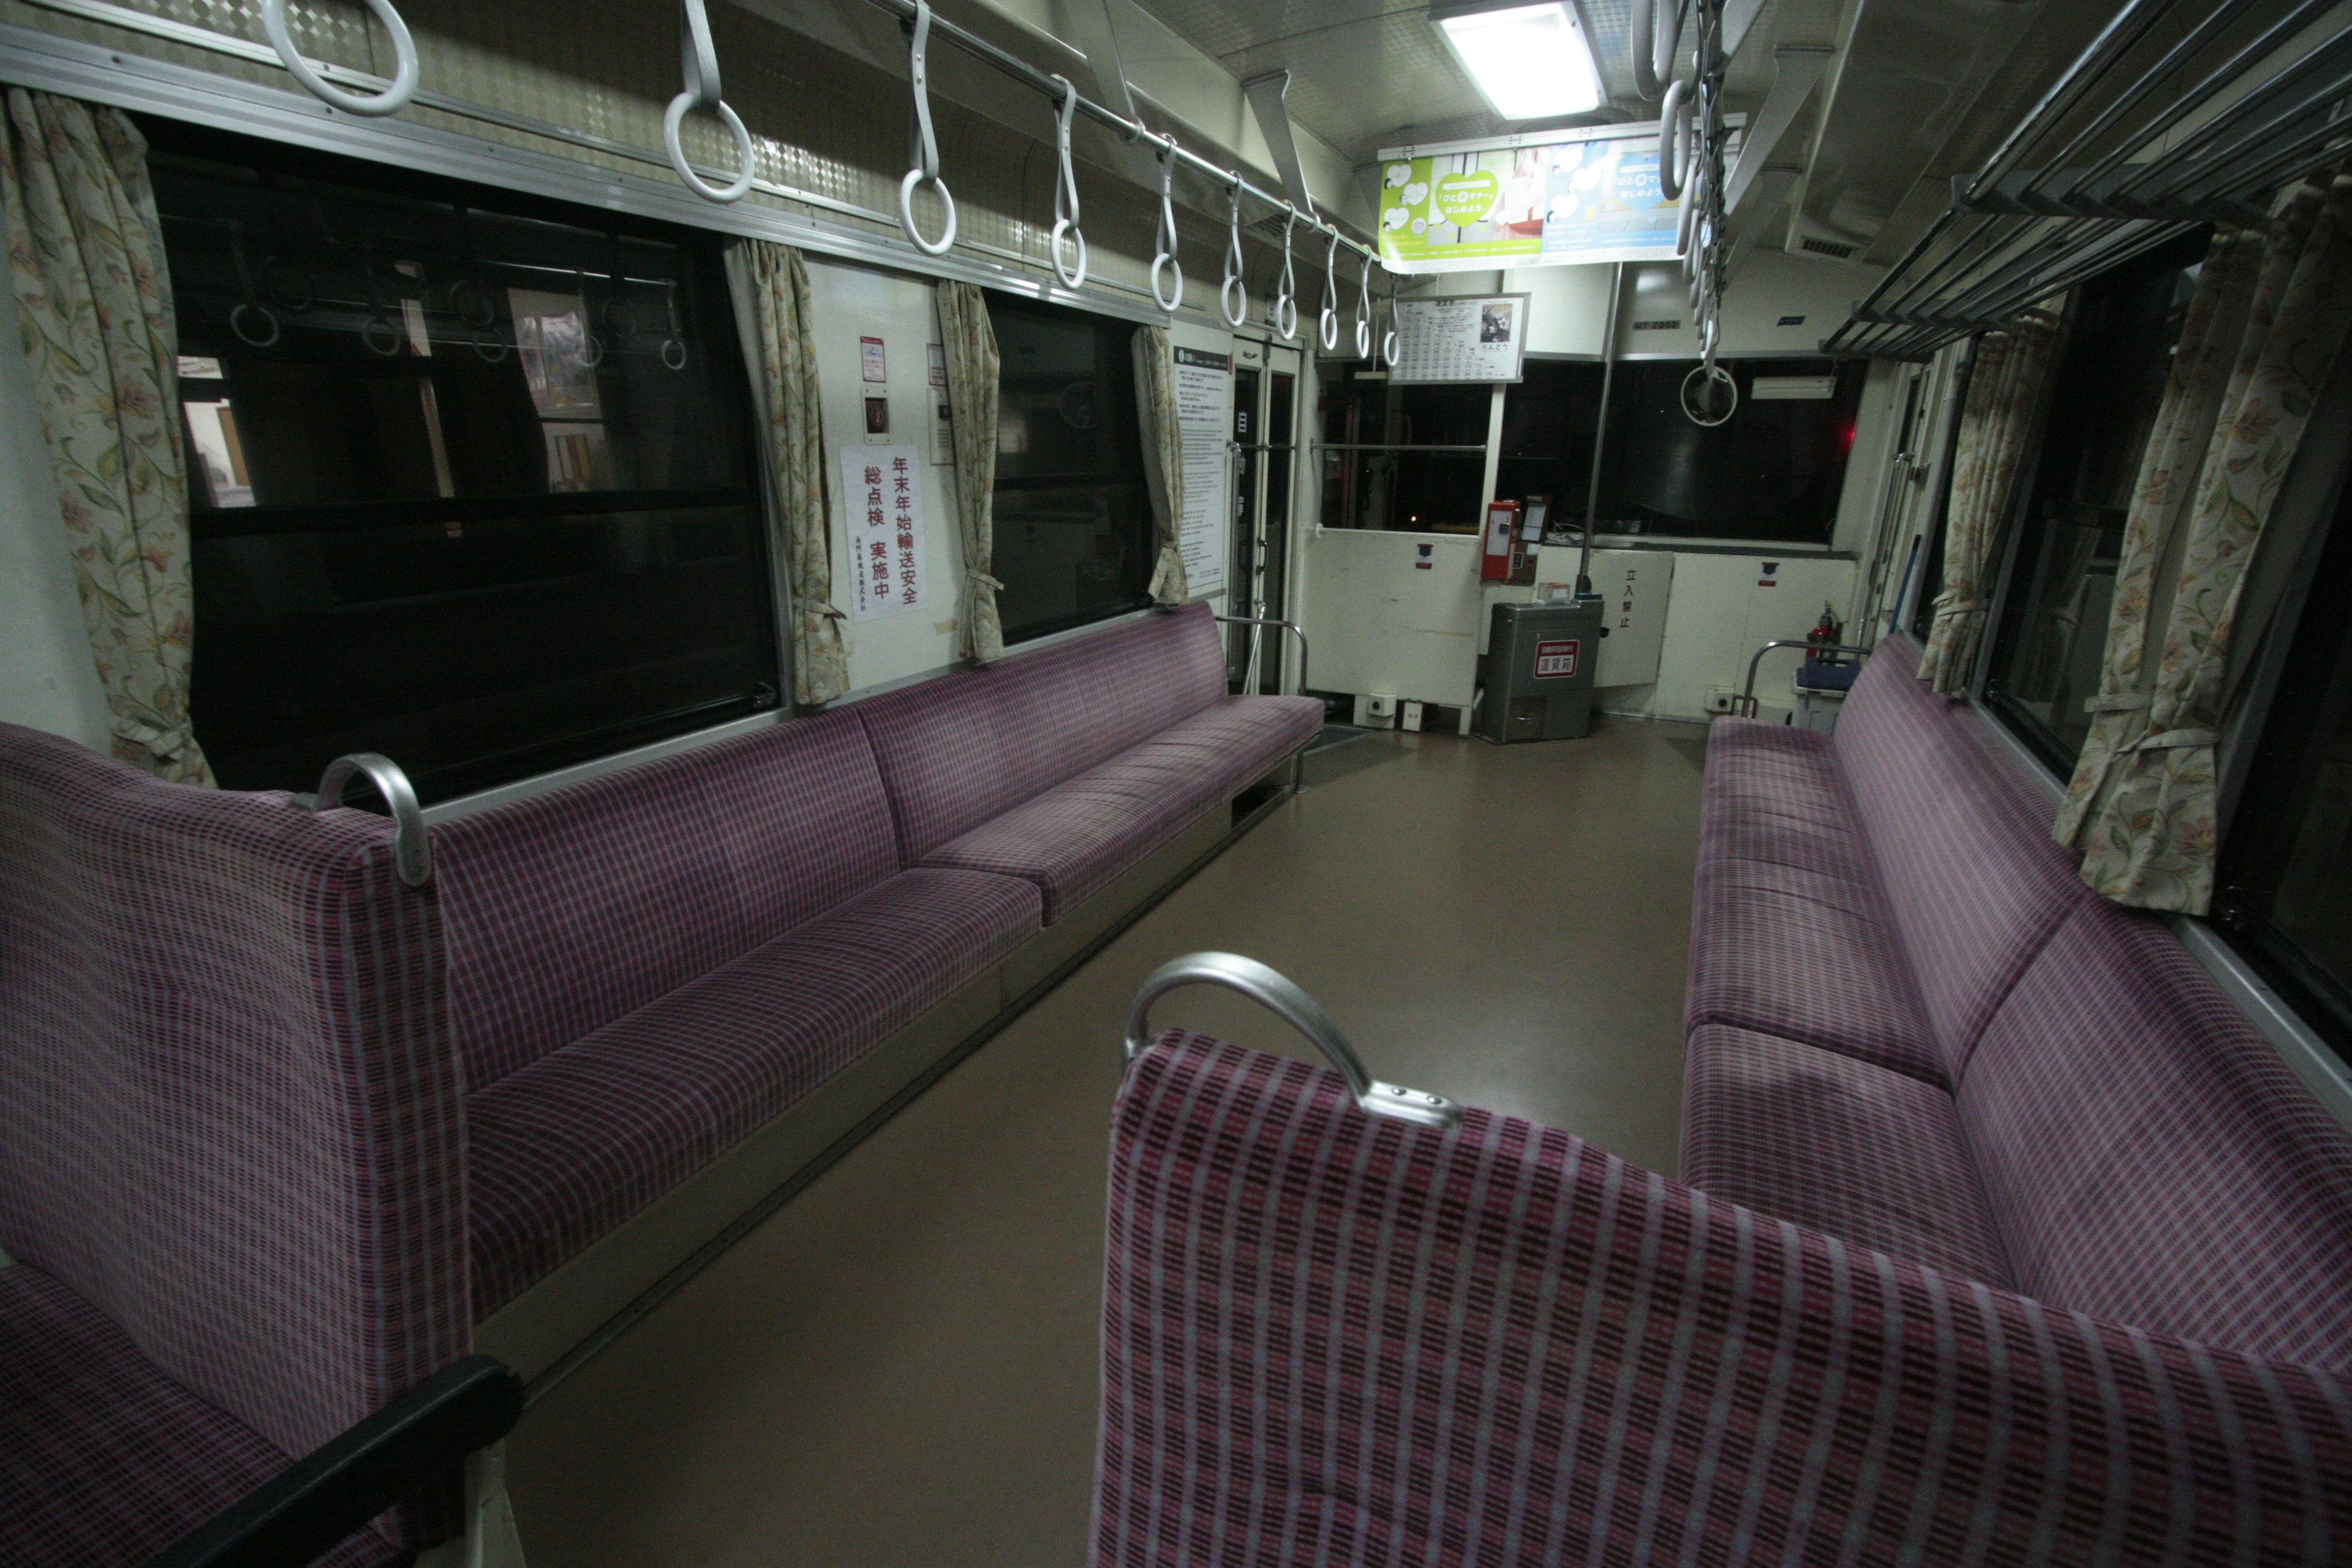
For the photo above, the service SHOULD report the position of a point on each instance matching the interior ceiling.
(1367, 74)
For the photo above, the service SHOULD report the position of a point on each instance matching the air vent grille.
(1827, 247)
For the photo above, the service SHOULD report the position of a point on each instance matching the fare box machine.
(1537, 672)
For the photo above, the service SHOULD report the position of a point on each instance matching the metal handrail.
(412, 850)
(1747, 693)
(1281, 997)
(1293, 627)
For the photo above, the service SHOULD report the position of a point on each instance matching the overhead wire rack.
(2180, 113)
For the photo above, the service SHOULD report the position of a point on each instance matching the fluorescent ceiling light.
(1532, 62)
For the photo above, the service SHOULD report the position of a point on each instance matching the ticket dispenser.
(1536, 674)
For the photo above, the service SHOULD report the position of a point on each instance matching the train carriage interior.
(1130, 784)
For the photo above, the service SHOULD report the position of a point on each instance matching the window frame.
(700, 247)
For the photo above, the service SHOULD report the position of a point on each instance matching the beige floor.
(898, 1369)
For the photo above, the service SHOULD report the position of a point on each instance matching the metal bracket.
(412, 851)
(1278, 994)
(1800, 66)
(1266, 94)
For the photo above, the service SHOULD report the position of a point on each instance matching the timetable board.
(1471, 337)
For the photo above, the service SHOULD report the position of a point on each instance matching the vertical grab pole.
(1599, 431)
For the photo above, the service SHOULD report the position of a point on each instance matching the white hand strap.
(1233, 295)
(924, 153)
(390, 100)
(1166, 255)
(698, 59)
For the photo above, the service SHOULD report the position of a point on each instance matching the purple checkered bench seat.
(231, 1150)
(647, 968)
(1067, 766)
(1329, 1339)
(1912, 1027)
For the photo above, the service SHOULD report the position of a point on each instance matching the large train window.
(1409, 459)
(1074, 540)
(1772, 473)
(2053, 634)
(2284, 886)
(470, 478)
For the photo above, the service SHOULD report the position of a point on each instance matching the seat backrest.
(229, 1115)
(1962, 842)
(566, 911)
(1328, 1338)
(971, 746)
(2150, 1160)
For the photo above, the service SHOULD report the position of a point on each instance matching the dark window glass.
(2109, 384)
(1074, 532)
(1548, 421)
(1380, 469)
(2285, 874)
(468, 476)
(1773, 471)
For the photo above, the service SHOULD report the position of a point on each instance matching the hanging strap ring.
(390, 100)
(1066, 192)
(1285, 299)
(698, 58)
(926, 160)
(1233, 295)
(1364, 310)
(1673, 141)
(1166, 253)
(1327, 323)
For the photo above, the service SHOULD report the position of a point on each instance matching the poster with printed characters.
(1585, 196)
(882, 496)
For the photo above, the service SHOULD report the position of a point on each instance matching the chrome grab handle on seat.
(1748, 692)
(411, 852)
(1293, 627)
(1285, 1001)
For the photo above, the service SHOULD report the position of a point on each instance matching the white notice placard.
(1478, 338)
(1203, 410)
(882, 500)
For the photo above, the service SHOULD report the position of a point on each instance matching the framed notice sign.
(1475, 338)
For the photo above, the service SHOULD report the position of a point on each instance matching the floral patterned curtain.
(94, 301)
(971, 358)
(2141, 804)
(1163, 457)
(2004, 390)
(780, 339)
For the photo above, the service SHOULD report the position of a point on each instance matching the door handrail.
(1748, 692)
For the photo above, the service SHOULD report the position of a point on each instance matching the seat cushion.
(2149, 1157)
(1838, 1145)
(965, 748)
(1076, 837)
(564, 1150)
(1807, 955)
(1960, 840)
(567, 910)
(103, 1459)
(1772, 792)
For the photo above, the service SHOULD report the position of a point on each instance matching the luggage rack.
(2091, 178)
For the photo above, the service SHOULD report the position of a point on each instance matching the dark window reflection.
(1773, 471)
(1074, 540)
(468, 478)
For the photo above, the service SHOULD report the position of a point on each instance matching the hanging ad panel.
(1569, 198)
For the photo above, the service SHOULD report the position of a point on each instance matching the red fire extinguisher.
(1502, 527)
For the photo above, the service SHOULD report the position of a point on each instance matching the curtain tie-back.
(2173, 740)
(1946, 605)
(983, 580)
(164, 745)
(830, 612)
(2122, 702)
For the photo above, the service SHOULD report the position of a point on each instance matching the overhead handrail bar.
(1165, 255)
(698, 62)
(405, 72)
(1285, 314)
(1233, 293)
(1281, 997)
(924, 152)
(412, 851)
(1066, 192)
(1748, 692)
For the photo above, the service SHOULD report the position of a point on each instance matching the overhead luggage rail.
(2168, 121)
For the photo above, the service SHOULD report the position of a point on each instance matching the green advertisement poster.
(1588, 196)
